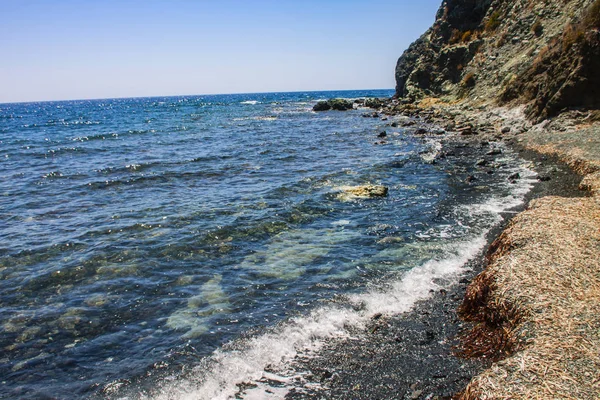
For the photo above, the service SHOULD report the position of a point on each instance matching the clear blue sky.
(79, 49)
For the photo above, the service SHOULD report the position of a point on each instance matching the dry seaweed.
(539, 298)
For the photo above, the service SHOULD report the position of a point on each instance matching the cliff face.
(545, 53)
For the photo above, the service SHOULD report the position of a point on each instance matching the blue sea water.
(179, 246)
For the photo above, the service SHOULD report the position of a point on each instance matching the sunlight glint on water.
(201, 238)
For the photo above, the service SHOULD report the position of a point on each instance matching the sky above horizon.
(72, 49)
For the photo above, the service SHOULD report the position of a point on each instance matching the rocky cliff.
(543, 53)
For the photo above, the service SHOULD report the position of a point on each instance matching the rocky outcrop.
(333, 104)
(541, 53)
(565, 72)
(439, 56)
(367, 191)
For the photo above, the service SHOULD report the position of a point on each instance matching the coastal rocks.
(333, 104)
(437, 59)
(544, 178)
(366, 191)
(565, 72)
(544, 56)
(371, 115)
(322, 106)
(374, 103)
(467, 130)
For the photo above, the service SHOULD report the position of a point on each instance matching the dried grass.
(591, 183)
(574, 157)
(542, 289)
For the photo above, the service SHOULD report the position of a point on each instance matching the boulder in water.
(333, 104)
(322, 106)
(367, 190)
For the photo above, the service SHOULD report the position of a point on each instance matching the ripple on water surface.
(136, 246)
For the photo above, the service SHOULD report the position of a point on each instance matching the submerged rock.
(374, 103)
(367, 190)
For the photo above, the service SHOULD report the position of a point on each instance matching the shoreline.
(413, 355)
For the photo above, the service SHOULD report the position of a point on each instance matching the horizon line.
(186, 95)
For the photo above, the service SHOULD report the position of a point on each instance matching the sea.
(187, 247)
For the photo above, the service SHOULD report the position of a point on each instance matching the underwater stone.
(368, 190)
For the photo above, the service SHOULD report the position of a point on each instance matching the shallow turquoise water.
(140, 235)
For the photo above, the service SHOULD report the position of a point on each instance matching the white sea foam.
(250, 102)
(309, 333)
(341, 222)
(245, 362)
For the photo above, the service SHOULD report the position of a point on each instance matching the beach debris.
(536, 305)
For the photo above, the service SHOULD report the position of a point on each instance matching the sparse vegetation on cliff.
(539, 53)
(493, 22)
(565, 72)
